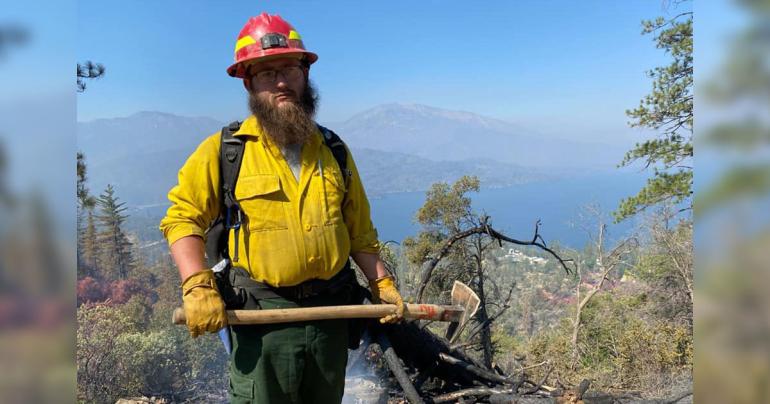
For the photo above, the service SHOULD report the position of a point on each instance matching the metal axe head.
(462, 296)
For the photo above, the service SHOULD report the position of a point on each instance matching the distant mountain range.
(397, 148)
(105, 140)
(439, 134)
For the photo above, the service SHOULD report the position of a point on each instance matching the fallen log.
(421, 349)
(443, 374)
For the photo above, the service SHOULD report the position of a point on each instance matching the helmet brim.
(238, 69)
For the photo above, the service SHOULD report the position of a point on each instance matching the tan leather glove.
(384, 291)
(203, 307)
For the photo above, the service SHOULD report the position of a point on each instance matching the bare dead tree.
(476, 241)
(483, 227)
(606, 263)
(479, 247)
(473, 244)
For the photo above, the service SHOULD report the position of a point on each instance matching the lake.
(514, 210)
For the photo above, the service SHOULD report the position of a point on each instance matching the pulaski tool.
(464, 306)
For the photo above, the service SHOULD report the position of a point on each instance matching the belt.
(304, 290)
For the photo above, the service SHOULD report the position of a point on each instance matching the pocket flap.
(334, 177)
(255, 185)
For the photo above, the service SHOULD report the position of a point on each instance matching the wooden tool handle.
(274, 316)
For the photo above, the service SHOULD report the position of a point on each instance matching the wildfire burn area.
(407, 363)
(610, 323)
(615, 328)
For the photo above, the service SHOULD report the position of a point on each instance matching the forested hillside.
(608, 321)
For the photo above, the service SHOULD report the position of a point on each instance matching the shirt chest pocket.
(332, 193)
(263, 201)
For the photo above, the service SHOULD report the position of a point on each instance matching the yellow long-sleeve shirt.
(294, 229)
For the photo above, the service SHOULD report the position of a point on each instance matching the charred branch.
(430, 357)
(483, 228)
(484, 374)
(541, 383)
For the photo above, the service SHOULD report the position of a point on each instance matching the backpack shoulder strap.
(230, 157)
(339, 151)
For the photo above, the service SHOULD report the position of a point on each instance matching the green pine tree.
(668, 109)
(115, 257)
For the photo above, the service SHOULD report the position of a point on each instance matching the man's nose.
(280, 79)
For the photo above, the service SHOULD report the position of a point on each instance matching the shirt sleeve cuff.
(175, 233)
(367, 243)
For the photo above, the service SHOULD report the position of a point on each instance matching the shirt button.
(308, 227)
(312, 260)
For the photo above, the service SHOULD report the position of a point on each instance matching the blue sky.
(562, 68)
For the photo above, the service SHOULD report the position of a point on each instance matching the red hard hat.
(264, 36)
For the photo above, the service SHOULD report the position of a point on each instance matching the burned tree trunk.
(485, 323)
(483, 316)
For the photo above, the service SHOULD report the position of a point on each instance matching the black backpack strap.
(339, 151)
(230, 157)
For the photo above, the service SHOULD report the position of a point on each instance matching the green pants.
(292, 362)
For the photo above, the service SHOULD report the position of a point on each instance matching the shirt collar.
(249, 127)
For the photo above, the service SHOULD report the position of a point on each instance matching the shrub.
(118, 355)
(155, 362)
(618, 348)
(90, 290)
(101, 373)
(121, 291)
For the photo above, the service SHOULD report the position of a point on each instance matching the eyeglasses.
(289, 73)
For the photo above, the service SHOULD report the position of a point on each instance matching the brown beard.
(292, 123)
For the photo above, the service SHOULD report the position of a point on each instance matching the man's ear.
(247, 84)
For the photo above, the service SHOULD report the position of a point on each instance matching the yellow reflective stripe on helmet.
(244, 41)
(294, 35)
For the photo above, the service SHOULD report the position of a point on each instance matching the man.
(302, 218)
